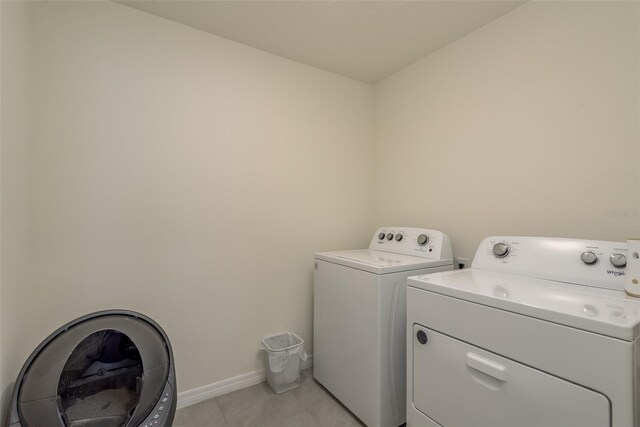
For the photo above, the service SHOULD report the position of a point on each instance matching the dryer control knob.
(381, 236)
(500, 250)
(618, 260)
(398, 237)
(389, 236)
(589, 257)
(423, 239)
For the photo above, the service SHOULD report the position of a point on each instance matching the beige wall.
(527, 126)
(166, 170)
(15, 137)
(187, 177)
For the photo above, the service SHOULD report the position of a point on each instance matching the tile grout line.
(226, 421)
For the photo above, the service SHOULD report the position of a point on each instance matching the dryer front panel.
(457, 384)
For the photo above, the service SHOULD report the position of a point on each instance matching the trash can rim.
(271, 349)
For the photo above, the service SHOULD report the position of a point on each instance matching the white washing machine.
(359, 340)
(539, 332)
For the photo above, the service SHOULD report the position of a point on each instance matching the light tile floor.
(310, 405)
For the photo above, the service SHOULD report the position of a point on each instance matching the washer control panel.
(162, 409)
(585, 262)
(420, 242)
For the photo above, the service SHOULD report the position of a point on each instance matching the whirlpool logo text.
(615, 272)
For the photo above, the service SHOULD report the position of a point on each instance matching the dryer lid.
(602, 311)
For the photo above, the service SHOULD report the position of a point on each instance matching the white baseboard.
(197, 395)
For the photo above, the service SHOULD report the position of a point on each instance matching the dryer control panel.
(422, 242)
(585, 262)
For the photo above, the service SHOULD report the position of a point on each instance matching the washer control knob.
(398, 237)
(500, 250)
(423, 239)
(618, 260)
(589, 257)
(422, 337)
(389, 236)
(381, 236)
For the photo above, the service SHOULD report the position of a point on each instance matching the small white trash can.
(285, 354)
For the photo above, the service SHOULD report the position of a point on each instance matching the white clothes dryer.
(360, 319)
(539, 332)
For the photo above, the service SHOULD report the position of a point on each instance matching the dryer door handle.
(487, 366)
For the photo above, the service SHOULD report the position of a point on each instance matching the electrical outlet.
(461, 263)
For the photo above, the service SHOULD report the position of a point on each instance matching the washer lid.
(601, 311)
(379, 262)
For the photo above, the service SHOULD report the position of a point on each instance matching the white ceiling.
(365, 40)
